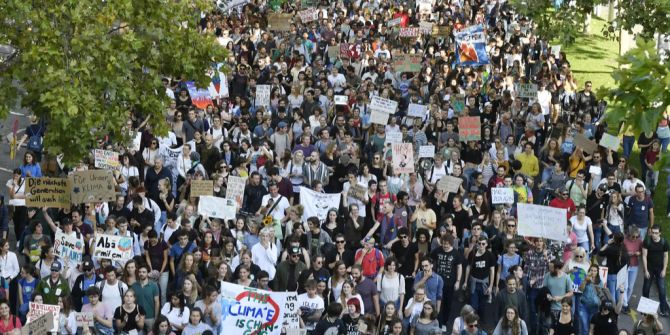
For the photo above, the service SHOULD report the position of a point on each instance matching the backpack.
(590, 297)
(35, 141)
(102, 288)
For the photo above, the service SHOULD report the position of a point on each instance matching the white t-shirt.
(19, 189)
(174, 316)
(110, 294)
(278, 211)
(266, 259)
(390, 288)
(312, 304)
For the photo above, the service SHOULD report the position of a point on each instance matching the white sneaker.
(669, 215)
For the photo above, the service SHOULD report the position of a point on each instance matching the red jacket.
(567, 204)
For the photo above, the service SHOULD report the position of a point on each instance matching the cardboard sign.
(441, 31)
(358, 191)
(393, 137)
(449, 184)
(36, 310)
(610, 142)
(583, 142)
(469, 128)
(333, 51)
(542, 221)
(407, 63)
(648, 306)
(341, 100)
(279, 22)
(106, 159)
(409, 32)
(235, 190)
(426, 151)
(309, 15)
(216, 207)
(426, 28)
(383, 105)
(502, 195)
(378, 117)
(201, 188)
(114, 247)
(48, 192)
(263, 95)
(92, 186)
(403, 158)
(68, 246)
(417, 110)
(528, 91)
(43, 324)
(84, 319)
(394, 22)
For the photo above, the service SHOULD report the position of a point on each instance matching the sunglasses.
(511, 225)
(339, 242)
(402, 237)
(473, 325)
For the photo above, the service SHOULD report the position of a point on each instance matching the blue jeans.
(598, 236)
(585, 315)
(532, 310)
(586, 245)
(655, 278)
(478, 297)
(664, 143)
(632, 275)
(614, 229)
(546, 173)
(628, 142)
(643, 232)
(611, 286)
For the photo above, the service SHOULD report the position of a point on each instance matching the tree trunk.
(587, 23)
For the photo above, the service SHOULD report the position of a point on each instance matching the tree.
(84, 65)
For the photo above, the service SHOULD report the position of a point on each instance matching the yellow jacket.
(530, 165)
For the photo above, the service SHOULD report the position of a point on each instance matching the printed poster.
(235, 190)
(263, 96)
(200, 97)
(469, 128)
(471, 46)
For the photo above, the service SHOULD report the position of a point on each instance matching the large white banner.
(383, 105)
(215, 207)
(318, 204)
(542, 221)
(246, 310)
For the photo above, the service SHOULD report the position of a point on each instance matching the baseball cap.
(282, 124)
(56, 267)
(87, 265)
(294, 251)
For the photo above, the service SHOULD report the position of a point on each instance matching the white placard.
(426, 27)
(596, 170)
(263, 95)
(383, 105)
(235, 189)
(417, 110)
(378, 117)
(341, 100)
(317, 204)
(622, 278)
(647, 306)
(502, 195)
(394, 22)
(216, 207)
(528, 91)
(426, 151)
(36, 310)
(556, 51)
(114, 247)
(542, 221)
(393, 137)
(609, 141)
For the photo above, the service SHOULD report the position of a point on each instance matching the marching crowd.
(398, 254)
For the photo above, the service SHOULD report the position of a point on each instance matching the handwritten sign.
(263, 95)
(201, 188)
(542, 221)
(36, 310)
(333, 51)
(469, 128)
(583, 142)
(622, 277)
(528, 91)
(84, 319)
(378, 117)
(106, 159)
(425, 6)
(92, 186)
(393, 137)
(235, 190)
(216, 207)
(358, 191)
(648, 306)
(279, 22)
(407, 63)
(556, 51)
(596, 170)
(383, 105)
(409, 32)
(610, 142)
(502, 195)
(441, 31)
(43, 324)
(68, 246)
(114, 247)
(394, 22)
(426, 151)
(417, 110)
(426, 28)
(449, 184)
(309, 15)
(403, 158)
(341, 100)
(48, 192)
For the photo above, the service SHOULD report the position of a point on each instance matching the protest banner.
(584, 143)
(542, 221)
(417, 110)
(106, 159)
(471, 46)
(333, 51)
(407, 63)
(201, 188)
(441, 31)
(426, 28)
(449, 184)
(577, 275)
(458, 102)
(215, 207)
(199, 96)
(69, 246)
(308, 15)
(350, 50)
(502, 195)
(383, 105)
(263, 95)
(235, 190)
(425, 6)
(469, 128)
(602, 273)
(317, 204)
(84, 319)
(393, 137)
(48, 192)
(218, 86)
(43, 324)
(528, 91)
(622, 277)
(610, 142)
(358, 191)
(35, 310)
(92, 186)
(341, 100)
(648, 306)
(403, 157)
(409, 32)
(253, 311)
(426, 151)
(556, 51)
(226, 5)
(378, 117)
(394, 22)
(279, 22)
(114, 247)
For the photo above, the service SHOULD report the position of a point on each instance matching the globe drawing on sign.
(125, 244)
(578, 276)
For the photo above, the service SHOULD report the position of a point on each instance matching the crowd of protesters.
(405, 257)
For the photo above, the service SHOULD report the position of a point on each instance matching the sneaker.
(625, 310)
(663, 314)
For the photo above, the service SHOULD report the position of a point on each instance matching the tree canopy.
(84, 65)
